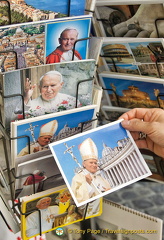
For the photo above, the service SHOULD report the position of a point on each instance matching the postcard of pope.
(99, 161)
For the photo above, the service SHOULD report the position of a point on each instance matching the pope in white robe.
(88, 182)
(48, 214)
(50, 99)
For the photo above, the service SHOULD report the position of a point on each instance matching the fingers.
(136, 125)
(135, 113)
(28, 85)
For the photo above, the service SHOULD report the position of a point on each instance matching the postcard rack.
(74, 46)
(22, 113)
(157, 60)
(85, 223)
(107, 21)
(156, 25)
(9, 10)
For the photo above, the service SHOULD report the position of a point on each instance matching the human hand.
(28, 90)
(52, 216)
(88, 178)
(149, 121)
(36, 149)
(106, 189)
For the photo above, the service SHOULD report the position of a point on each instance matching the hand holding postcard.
(100, 161)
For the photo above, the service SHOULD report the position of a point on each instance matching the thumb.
(136, 125)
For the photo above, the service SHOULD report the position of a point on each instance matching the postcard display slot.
(85, 223)
(116, 70)
(6, 139)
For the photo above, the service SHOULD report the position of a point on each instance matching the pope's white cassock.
(47, 129)
(32, 220)
(61, 101)
(80, 187)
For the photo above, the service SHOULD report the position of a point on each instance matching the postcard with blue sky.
(107, 155)
(124, 68)
(132, 91)
(57, 126)
(53, 31)
(146, 57)
(29, 10)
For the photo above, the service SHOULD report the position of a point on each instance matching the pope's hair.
(51, 73)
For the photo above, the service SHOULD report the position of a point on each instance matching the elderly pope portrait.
(48, 213)
(64, 52)
(88, 182)
(50, 99)
(46, 133)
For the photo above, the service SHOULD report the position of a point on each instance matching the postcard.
(100, 160)
(97, 95)
(67, 40)
(25, 97)
(129, 91)
(134, 56)
(29, 41)
(34, 134)
(32, 11)
(26, 41)
(57, 209)
(95, 45)
(130, 19)
(35, 173)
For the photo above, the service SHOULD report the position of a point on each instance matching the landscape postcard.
(130, 91)
(25, 43)
(30, 11)
(100, 161)
(134, 56)
(130, 20)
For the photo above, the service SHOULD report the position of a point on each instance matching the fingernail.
(125, 122)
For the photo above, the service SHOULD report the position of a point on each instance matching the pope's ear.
(83, 164)
(59, 39)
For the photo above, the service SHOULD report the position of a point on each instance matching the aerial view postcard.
(30, 11)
